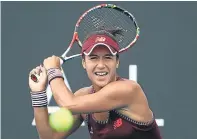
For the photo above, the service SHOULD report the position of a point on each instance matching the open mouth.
(101, 73)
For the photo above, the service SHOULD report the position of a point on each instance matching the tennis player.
(113, 107)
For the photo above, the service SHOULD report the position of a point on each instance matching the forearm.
(44, 129)
(61, 93)
(42, 122)
(108, 98)
(39, 104)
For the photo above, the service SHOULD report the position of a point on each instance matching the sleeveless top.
(119, 126)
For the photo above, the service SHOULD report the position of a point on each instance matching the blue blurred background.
(162, 61)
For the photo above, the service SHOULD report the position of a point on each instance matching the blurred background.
(162, 61)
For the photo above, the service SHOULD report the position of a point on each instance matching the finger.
(38, 70)
(43, 70)
(33, 71)
(44, 62)
(34, 74)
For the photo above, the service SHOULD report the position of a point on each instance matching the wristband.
(53, 73)
(39, 99)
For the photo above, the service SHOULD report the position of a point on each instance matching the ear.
(117, 64)
(83, 63)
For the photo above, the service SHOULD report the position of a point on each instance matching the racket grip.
(62, 60)
(34, 77)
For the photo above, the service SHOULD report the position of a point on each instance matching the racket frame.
(75, 38)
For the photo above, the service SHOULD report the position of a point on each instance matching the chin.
(102, 83)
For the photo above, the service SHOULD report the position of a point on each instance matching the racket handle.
(62, 60)
(34, 77)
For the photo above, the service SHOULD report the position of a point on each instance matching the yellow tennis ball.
(61, 120)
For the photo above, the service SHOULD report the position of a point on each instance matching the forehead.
(101, 50)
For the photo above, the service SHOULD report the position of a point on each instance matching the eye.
(93, 57)
(108, 57)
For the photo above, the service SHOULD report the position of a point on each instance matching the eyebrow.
(109, 55)
(97, 55)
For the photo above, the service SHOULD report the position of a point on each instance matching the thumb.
(43, 74)
(43, 69)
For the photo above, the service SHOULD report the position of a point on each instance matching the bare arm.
(42, 124)
(114, 95)
(43, 127)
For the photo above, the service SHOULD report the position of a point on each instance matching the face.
(101, 66)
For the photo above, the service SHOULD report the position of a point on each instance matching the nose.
(101, 64)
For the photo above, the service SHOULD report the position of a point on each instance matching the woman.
(113, 107)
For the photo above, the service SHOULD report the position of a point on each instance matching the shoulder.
(128, 84)
(127, 89)
(83, 91)
(124, 89)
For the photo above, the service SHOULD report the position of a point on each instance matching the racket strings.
(115, 16)
(127, 24)
(108, 19)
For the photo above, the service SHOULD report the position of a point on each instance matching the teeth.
(101, 73)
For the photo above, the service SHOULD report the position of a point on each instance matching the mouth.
(101, 73)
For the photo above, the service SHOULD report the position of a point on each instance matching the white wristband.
(39, 99)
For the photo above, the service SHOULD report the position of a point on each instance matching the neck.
(97, 88)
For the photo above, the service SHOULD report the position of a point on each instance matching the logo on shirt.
(117, 123)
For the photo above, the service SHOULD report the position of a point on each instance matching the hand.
(40, 85)
(52, 62)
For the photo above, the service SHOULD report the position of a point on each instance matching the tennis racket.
(103, 16)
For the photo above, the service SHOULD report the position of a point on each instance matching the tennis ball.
(61, 120)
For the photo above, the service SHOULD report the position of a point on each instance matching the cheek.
(89, 73)
(113, 68)
(113, 65)
(89, 68)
